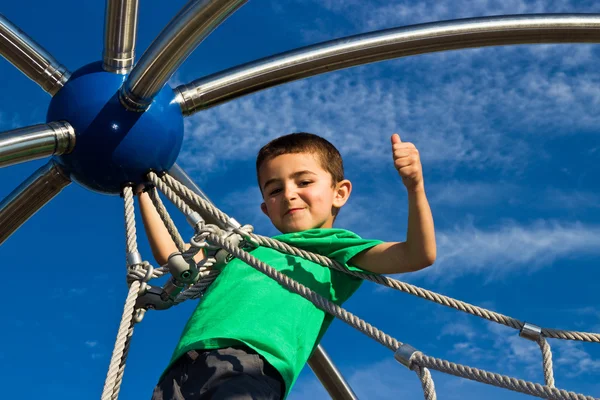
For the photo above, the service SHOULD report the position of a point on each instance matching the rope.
(503, 381)
(426, 382)
(546, 361)
(192, 197)
(166, 218)
(197, 290)
(116, 369)
(130, 234)
(171, 195)
(379, 279)
(571, 335)
(307, 293)
(418, 359)
(418, 362)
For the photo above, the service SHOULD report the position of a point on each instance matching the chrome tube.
(329, 376)
(29, 57)
(29, 197)
(36, 141)
(120, 27)
(178, 173)
(383, 45)
(196, 20)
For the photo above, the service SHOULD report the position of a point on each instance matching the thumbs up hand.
(408, 163)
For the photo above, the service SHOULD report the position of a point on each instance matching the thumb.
(396, 138)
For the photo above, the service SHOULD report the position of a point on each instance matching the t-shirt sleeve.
(355, 246)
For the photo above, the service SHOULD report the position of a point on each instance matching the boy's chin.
(297, 228)
(293, 228)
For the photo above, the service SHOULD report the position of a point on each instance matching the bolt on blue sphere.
(114, 146)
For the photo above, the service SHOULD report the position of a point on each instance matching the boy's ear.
(263, 208)
(342, 193)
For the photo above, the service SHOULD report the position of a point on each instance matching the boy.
(249, 337)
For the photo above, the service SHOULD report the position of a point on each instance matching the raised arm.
(160, 241)
(419, 249)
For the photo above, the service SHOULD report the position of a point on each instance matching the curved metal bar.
(178, 39)
(29, 57)
(120, 28)
(31, 195)
(383, 45)
(330, 377)
(36, 141)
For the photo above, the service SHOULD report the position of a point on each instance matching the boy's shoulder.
(332, 242)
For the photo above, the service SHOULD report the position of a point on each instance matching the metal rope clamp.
(531, 332)
(404, 354)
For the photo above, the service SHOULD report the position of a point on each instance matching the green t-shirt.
(245, 306)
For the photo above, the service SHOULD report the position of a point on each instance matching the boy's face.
(298, 193)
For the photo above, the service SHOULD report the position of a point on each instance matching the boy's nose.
(290, 193)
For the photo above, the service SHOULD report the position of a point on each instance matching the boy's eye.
(304, 183)
(274, 191)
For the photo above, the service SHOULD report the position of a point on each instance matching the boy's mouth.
(293, 210)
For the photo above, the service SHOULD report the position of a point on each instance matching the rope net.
(229, 239)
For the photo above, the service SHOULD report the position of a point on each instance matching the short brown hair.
(303, 142)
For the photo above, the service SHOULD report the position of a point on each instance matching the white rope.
(116, 369)
(418, 362)
(423, 374)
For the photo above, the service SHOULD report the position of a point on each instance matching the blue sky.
(511, 155)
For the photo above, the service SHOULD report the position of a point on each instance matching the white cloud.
(492, 109)
(91, 343)
(573, 199)
(458, 329)
(573, 358)
(380, 14)
(383, 380)
(511, 247)
(468, 194)
(387, 379)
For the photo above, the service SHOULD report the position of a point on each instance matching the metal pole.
(178, 173)
(36, 141)
(29, 197)
(383, 45)
(329, 376)
(120, 27)
(179, 38)
(29, 57)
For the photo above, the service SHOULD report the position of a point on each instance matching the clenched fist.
(408, 163)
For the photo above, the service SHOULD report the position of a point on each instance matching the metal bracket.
(531, 332)
(153, 299)
(182, 270)
(171, 289)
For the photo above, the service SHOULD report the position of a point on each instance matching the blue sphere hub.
(114, 146)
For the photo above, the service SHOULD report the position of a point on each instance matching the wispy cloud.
(380, 14)
(574, 359)
(510, 247)
(495, 347)
(91, 343)
(382, 380)
(573, 199)
(488, 111)
(387, 379)
(468, 194)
